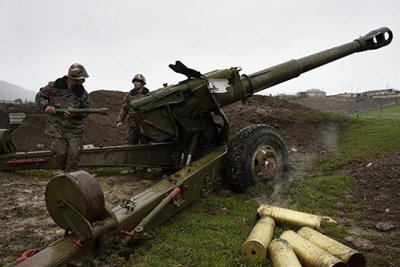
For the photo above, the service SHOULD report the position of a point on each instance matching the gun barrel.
(266, 78)
(102, 111)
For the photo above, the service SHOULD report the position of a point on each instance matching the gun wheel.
(79, 189)
(257, 154)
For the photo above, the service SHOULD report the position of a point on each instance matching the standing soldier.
(139, 90)
(133, 135)
(65, 129)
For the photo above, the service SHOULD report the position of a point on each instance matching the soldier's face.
(79, 82)
(138, 84)
(75, 83)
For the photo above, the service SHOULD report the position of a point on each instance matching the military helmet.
(77, 72)
(139, 77)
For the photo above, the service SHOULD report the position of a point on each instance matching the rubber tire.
(240, 168)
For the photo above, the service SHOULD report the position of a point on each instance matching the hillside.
(344, 105)
(10, 92)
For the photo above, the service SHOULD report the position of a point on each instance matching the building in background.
(383, 93)
(312, 93)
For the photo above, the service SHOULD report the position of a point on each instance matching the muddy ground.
(25, 222)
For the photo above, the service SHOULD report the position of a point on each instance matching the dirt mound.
(285, 116)
(29, 136)
(101, 130)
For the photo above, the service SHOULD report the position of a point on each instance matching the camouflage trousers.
(66, 152)
(132, 135)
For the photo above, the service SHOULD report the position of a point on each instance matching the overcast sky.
(115, 39)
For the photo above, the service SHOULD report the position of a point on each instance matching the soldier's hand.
(67, 114)
(50, 109)
(119, 125)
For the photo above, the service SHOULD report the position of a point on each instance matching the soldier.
(139, 90)
(65, 129)
(133, 135)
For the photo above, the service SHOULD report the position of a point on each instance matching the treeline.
(26, 107)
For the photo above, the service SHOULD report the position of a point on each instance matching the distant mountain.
(11, 92)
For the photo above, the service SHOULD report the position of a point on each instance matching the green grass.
(386, 113)
(372, 137)
(210, 232)
(318, 194)
(312, 115)
(362, 140)
(326, 196)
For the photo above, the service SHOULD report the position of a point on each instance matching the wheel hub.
(266, 163)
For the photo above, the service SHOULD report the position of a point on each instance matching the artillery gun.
(187, 133)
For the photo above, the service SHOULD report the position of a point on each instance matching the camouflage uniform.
(66, 133)
(133, 136)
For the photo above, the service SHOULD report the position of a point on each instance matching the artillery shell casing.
(350, 256)
(309, 254)
(282, 254)
(256, 245)
(292, 217)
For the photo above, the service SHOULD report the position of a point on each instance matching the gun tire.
(257, 154)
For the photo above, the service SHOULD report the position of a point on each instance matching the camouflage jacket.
(58, 94)
(125, 109)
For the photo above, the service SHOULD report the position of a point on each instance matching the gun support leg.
(158, 154)
(156, 210)
(193, 181)
(139, 229)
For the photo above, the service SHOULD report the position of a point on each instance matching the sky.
(116, 39)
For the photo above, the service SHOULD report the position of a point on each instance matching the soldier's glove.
(119, 125)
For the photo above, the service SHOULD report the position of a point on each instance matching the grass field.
(390, 112)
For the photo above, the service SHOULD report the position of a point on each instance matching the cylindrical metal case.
(350, 256)
(282, 255)
(292, 217)
(256, 245)
(309, 254)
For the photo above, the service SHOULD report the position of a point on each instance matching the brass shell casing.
(281, 254)
(350, 256)
(309, 254)
(292, 217)
(256, 245)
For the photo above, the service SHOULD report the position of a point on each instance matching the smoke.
(276, 197)
(329, 137)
